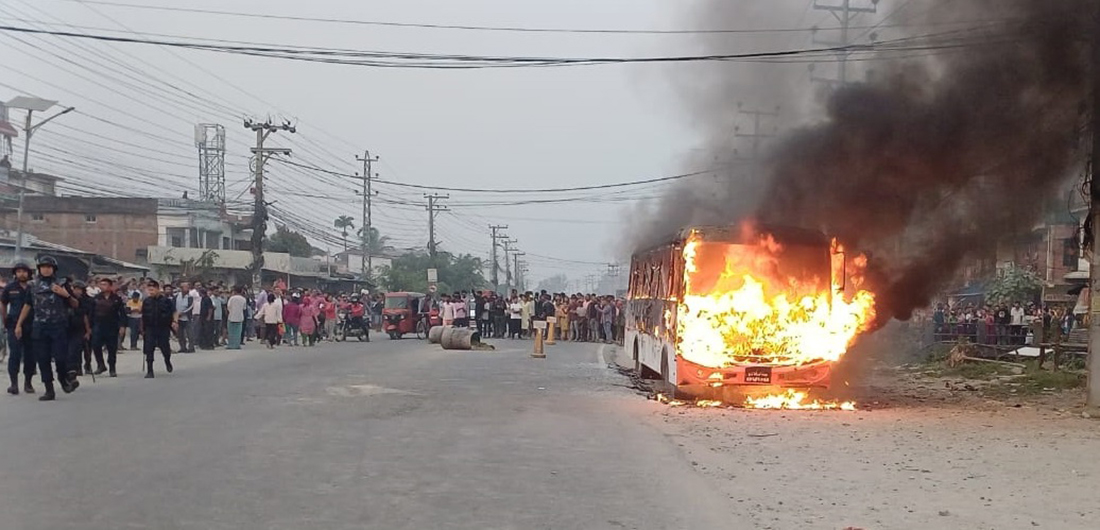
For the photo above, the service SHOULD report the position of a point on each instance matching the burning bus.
(746, 312)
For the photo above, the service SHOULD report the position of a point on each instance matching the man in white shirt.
(447, 311)
(185, 304)
(1017, 312)
(235, 314)
(196, 313)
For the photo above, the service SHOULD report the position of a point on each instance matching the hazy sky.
(506, 128)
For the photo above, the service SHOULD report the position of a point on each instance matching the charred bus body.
(727, 312)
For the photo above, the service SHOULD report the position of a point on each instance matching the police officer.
(159, 319)
(48, 307)
(12, 299)
(109, 318)
(80, 331)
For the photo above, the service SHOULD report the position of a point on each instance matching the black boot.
(70, 385)
(99, 370)
(87, 368)
(49, 395)
(149, 370)
(27, 386)
(112, 372)
(14, 388)
(168, 363)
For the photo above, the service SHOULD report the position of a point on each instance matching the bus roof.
(784, 234)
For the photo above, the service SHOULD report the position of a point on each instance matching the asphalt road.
(388, 435)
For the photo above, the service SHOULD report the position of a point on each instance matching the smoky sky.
(930, 153)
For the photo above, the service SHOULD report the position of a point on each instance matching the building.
(234, 267)
(72, 262)
(125, 228)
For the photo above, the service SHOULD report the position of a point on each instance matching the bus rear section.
(728, 313)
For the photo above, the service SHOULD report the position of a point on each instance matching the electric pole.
(495, 236)
(365, 264)
(756, 135)
(519, 272)
(845, 13)
(1092, 396)
(432, 209)
(259, 211)
(508, 248)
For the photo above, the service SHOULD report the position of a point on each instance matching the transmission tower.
(210, 139)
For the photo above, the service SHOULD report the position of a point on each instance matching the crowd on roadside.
(1002, 324)
(65, 323)
(576, 317)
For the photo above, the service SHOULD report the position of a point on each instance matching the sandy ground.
(911, 461)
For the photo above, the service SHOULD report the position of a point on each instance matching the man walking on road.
(109, 317)
(48, 306)
(185, 304)
(12, 300)
(80, 331)
(159, 319)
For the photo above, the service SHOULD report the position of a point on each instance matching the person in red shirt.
(328, 311)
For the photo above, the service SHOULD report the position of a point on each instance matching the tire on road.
(435, 334)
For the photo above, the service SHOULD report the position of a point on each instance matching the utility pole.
(845, 13)
(259, 210)
(495, 236)
(365, 264)
(432, 209)
(519, 272)
(508, 248)
(756, 135)
(1092, 396)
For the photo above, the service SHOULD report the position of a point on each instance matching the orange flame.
(795, 400)
(766, 303)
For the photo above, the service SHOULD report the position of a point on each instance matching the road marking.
(599, 355)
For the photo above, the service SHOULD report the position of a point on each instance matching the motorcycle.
(346, 326)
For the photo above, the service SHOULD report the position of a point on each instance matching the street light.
(29, 104)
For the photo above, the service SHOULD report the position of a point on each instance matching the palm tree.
(344, 222)
(376, 243)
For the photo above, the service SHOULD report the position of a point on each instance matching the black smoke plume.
(933, 157)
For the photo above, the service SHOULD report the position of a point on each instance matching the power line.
(370, 58)
(462, 27)
(505, 190)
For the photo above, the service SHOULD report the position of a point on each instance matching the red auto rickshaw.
(405, 312)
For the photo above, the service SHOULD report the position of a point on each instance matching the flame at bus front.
(765, 304)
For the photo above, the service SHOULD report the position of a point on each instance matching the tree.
(555, 284)
(344, 222)
(376, 243)
(1013, 284)
(409, 272)
(289, 241)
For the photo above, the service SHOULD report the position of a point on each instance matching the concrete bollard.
(539, 352)
(435, 334)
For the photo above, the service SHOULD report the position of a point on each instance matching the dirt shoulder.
(924, 451)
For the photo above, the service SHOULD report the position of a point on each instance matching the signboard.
(433, 275)
(540, 324)
(552, 320)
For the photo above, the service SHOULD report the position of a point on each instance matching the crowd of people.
(1001, 324)
(578, 317)
(58, 327)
